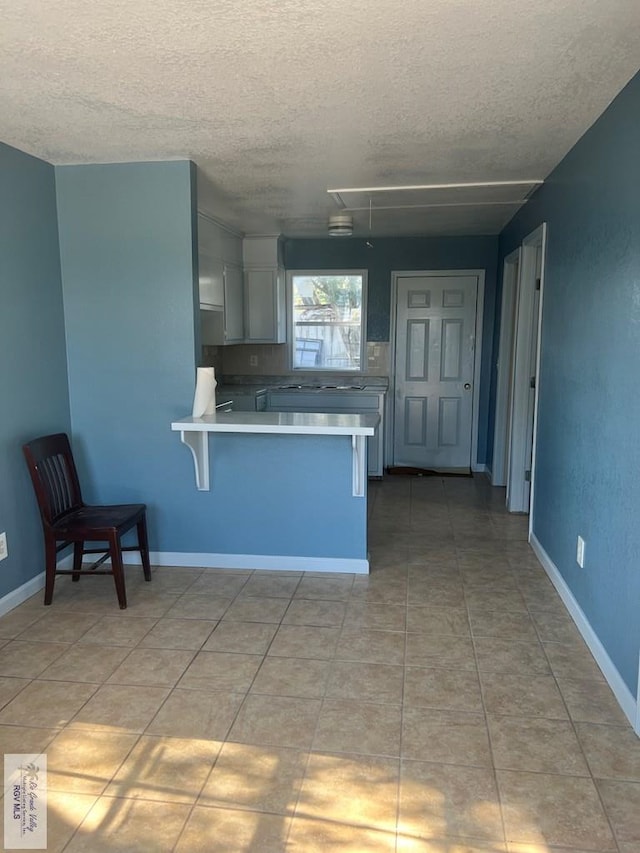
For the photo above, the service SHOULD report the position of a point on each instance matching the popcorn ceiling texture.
(277, 100)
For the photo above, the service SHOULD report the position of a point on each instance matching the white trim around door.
(477, 369)
(526, 373)
(502, 428)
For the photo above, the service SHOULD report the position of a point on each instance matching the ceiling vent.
(340, 225)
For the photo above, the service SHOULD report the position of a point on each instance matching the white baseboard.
(204, 561)
(17, 596)
(625, 698)
(265, 562)
(479, 468)
(31, 587)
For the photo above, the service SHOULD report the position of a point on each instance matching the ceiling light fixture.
(340, 225)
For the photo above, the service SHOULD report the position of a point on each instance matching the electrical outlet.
(580, 552)
(4, 551)
(253, 361)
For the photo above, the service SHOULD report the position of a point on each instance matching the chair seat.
(89, 522)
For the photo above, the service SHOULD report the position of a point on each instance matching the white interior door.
(435, 338)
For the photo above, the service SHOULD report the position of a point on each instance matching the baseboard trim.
(265, 562)
(31, 587)
(479, 468)
(17, 596)
(625, 698)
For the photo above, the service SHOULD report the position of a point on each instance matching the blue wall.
(126, 248)
(588, 458)
(391, 254)
(265, 490)
(33, 370)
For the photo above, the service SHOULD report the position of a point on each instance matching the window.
(328, 311)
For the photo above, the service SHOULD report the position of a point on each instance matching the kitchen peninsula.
(286, 490)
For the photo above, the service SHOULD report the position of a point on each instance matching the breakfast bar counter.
(194, 433)
(297, 481)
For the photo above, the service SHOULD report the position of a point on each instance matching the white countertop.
(281, 423)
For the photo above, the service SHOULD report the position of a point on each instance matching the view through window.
(328, 320)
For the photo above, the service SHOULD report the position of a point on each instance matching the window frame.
(363, 273)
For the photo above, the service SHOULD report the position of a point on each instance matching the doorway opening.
(518, 372)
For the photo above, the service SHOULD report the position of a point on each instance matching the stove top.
(321, 387)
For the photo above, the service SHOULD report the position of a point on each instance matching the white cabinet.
(225, 325)
(221, 284)
(264, 290)
(210, 279)
(265, 306)
(233, 306)
(240, 305)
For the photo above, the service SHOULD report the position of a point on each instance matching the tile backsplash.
(273, 359)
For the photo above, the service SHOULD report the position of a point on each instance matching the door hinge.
(527, 476)
(538, 283)
(532, 382)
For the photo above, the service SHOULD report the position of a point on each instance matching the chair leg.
(143, 544)
(50, 569)
(116, 567)
(78, 548)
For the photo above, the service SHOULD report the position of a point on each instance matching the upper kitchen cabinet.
(264, 290)
(225, 325)
(233, 305)
(220, 282)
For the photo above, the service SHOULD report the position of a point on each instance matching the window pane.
(327, 321)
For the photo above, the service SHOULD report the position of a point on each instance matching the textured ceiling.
(279, 100)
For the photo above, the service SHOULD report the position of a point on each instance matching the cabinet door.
(260, 313)
(233, 305)
(211, 280)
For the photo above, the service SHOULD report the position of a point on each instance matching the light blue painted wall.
(33, 369)
(588, 462)
(126, 242)
(409, 253)
(276, 495)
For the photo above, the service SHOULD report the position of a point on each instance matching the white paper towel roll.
(204, 400)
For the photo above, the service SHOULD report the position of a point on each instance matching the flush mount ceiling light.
(340, 225)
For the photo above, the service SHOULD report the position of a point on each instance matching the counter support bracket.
(359, 453)
(198, 444)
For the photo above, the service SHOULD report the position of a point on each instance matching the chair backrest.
(53, 474)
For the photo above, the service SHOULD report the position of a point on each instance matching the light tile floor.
(444, 704)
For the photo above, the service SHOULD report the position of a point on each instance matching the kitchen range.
(320, 387)
(330, 397)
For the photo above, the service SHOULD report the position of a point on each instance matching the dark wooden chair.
(67, 520)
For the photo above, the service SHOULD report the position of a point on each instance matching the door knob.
(467, 386)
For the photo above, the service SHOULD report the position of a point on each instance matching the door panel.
(415, 423)
(434, 368)
(417, 350)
